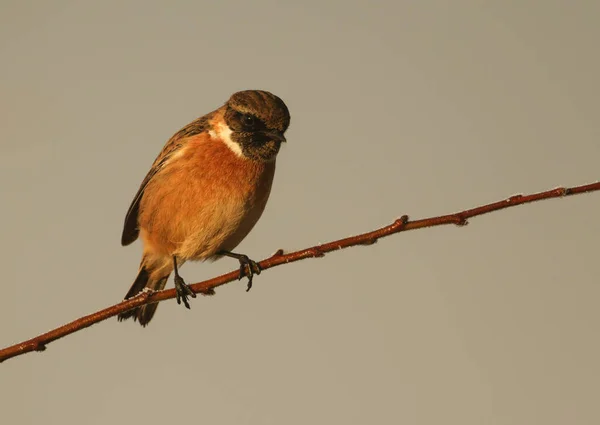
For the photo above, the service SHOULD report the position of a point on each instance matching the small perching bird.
(205, 192)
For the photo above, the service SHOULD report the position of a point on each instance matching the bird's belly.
(213, 230)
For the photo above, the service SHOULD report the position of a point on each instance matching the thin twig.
(40, 342)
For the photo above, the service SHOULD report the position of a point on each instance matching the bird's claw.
(248, 268)
(183, 291)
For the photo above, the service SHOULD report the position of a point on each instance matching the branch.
(402, 224)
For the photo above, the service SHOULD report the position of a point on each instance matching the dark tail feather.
(144, 313)
(139, 283)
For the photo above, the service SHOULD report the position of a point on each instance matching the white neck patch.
(223, 132)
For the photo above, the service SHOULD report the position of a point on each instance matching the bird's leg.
(248, 267)
(183, 290)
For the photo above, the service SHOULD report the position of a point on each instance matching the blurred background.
(418, 108)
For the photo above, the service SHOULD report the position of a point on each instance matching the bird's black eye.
(248, 120)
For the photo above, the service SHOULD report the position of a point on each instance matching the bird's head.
(254, 123)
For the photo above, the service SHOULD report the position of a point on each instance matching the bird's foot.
(183, 291)
(248, 268)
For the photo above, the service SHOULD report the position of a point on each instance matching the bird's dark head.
(256, 121)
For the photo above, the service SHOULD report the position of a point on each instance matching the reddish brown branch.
(39, 343)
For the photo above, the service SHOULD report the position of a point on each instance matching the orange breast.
(205, 199)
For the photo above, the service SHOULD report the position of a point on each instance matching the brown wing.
(131, 230)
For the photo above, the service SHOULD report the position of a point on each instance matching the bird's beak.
(275, 135)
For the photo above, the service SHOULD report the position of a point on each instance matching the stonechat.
(205, 192)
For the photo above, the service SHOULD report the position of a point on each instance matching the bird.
(204, 193)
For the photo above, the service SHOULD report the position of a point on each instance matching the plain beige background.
(405, 107)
